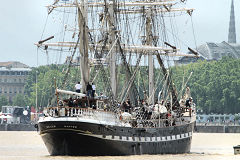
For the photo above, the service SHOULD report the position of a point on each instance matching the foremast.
(83, 44)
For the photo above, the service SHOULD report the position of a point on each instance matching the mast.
(112, 28)
(132, 94)
(149, 40)
(83, 44)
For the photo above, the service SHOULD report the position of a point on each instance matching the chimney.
(232, 29)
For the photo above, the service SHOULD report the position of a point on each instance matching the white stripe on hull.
(142, 139)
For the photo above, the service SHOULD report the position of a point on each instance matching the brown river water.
(16, 145)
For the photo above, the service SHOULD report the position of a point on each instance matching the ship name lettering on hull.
(52, 126)
(65, 126)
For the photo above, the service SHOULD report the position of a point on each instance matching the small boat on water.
(236, 149)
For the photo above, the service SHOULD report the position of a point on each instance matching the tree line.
(215, 85)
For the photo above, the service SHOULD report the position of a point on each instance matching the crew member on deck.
(89, 90)
(189, 102)
(70, 102)
(78, 87)
(93, 89)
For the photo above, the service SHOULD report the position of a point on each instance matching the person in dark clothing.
(127, 107)
(89, 90)
(124, 106)
(70, 102)
(168, 106)
(188, 102)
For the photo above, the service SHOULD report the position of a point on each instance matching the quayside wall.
(198, 128)
(17, 127)
(217, 129)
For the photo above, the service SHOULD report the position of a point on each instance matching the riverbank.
(217, 129)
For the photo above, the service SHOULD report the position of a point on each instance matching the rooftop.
(215, 51)
(13, 64)
(14, 69)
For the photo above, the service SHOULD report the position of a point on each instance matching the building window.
(15, 80)
(10, 90)
(7, 73)
(5, 80)
(0, 90)
(20, 81)
(20, 90)
(15, 90)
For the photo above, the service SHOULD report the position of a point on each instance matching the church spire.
(232, 29)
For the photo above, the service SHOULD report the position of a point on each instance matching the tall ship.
(116, 40)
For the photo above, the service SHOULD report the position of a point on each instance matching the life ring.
(120, 117)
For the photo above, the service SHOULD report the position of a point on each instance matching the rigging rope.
(195, 41)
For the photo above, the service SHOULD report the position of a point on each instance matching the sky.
(22, 23)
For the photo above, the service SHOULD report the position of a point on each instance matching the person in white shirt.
(78, 87)
(93, 89)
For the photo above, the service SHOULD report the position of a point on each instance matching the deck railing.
(80, 112)
(102, 115)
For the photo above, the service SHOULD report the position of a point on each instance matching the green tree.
(215, 85)
(19, 100)
(3, 101)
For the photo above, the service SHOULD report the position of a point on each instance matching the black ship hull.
(89, 139)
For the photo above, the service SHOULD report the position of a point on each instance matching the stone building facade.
(13, 76)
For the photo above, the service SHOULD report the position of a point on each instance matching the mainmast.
(149, 40)
(113, 54)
